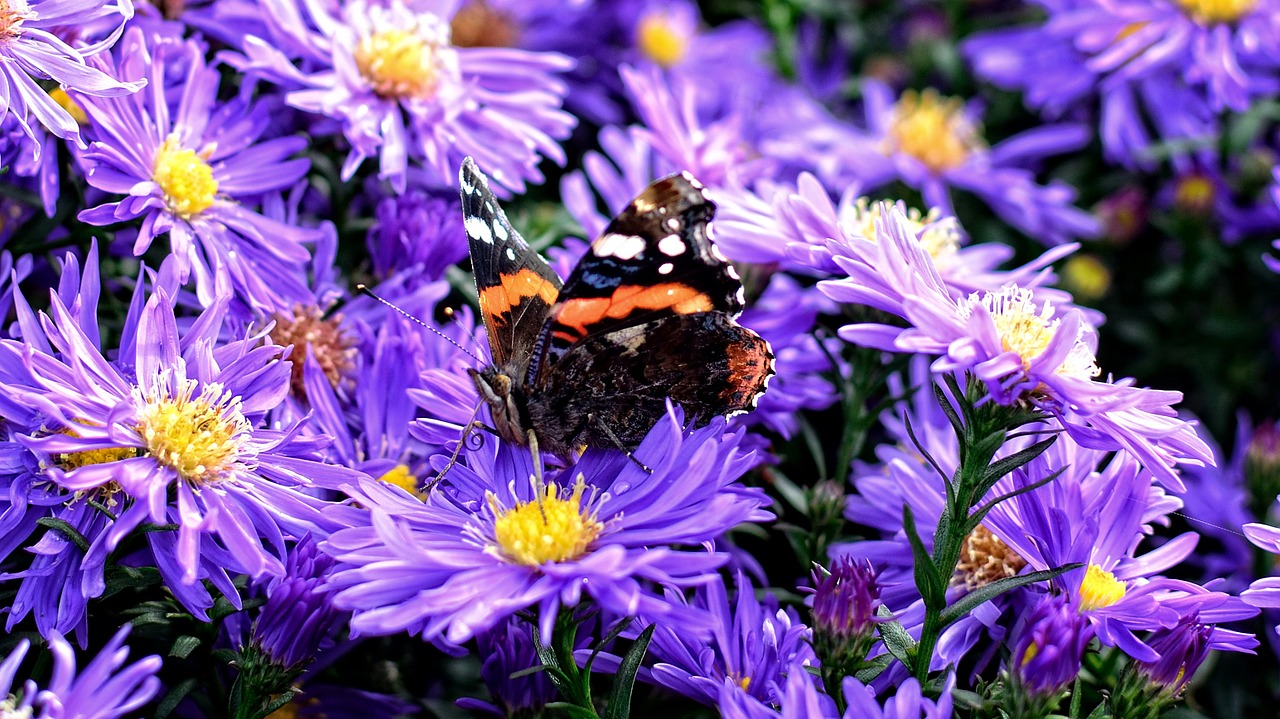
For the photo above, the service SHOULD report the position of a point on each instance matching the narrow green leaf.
(573, 710)
(175, 697)
(613, 634)
(874, 668)
(947, 408)
(1001, 467)
(896, 639)
(1100, 712)
(624, 681)
(990, 591)
(68, 532)
(1076, 693)
(183, 646)
(930, 585)
(273, 704)
(976, 518)
(527, 672)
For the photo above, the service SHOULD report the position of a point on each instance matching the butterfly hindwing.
(652, 261)
(516, 287)
(613, 386)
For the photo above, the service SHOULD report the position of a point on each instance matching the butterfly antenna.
(452, 316)
(365, 289)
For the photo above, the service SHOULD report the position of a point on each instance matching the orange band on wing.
(679, 299)
(499, 299)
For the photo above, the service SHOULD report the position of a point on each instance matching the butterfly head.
(505, 401)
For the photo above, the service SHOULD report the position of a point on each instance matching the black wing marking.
(516, 287)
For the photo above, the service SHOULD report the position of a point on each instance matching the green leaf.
(976, 518)
(1001, 467)
(183, 646)
(624, 681)
(990, 591)
(930, 585)
(874, 668)
(947, 408)
(1074, 711)
(573, 710)
(896, 639)
(613, 634)
(175, 697)
(68, 532)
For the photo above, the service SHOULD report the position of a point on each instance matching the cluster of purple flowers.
(207, 432)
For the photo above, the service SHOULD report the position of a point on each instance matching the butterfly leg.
(618, 443)
(472, 424)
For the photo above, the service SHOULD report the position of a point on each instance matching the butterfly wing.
(620, 380)
(654, 260)
(516, 287)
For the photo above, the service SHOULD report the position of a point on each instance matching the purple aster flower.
(388, 72)
(104, 689)
(508, 649)
(298, 619)
(1023, 350)
(318, 700)
(165, 433)
(934, 144)
(1184, 647)
(1226, 51)
(752, 648)
(36, 44)
(801, 699)
(418, 232)
(493, 541)
(193, 168)
(1048, 646)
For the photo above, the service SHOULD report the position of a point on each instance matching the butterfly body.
(645, 316)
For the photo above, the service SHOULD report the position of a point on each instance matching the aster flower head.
(418, 231)
(1184, 647)
(33, 48)
(1022, 350)
(934, 144)
(104, 689)
(508, 649)
(491, 542)
(165, 433)
(844, 611)
(1048, 647)
(389, 73)
(298, 619)
(194, 168)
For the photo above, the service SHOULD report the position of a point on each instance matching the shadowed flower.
(389, 73)
(508, 649)
(491, 541)
(193, 168)
(104, 689)
(298, 619)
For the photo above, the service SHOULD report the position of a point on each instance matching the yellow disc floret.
(185, 178)
(398, 64)
(200, 437)
(938, 235)
(1100, 589)
(659, 40)
(550, 528)
(1027, 333)
(72, 107)
(984, 559)
(401, 477)
(1216, 11)
(933, 129)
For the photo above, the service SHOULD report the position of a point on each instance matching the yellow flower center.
(1027, 333)
(398, 64)
(9, 709)
(76, 460)
(933, 129)
(1194, 193)
(199, 437)
(938, 235)
(660, 40)
(72, 107)
(548, 529)
(1086, 276)
(1215, 11)
(185, 178)
(12, 14)
(1100, 589)
(401, 477)
(984, 558)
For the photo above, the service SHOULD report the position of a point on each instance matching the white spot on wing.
(665, 268)
(623, 247)
(511, 254)
(673, 223)
(478, 229)
(672, 246)
(500, 231)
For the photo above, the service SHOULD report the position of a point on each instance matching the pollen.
(938, 235)
(1217, 11)
(333, 349)
(401, 477)
(1027, 333)
(984, 558)
(12, 14)
(660, 40)
(479, 24)
(398, 64)
(933, 129)
(550, 528)
(201, 437)
(185, 178)
(1100, 589)
(72, 107)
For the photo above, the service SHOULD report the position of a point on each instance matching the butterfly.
(646, 315)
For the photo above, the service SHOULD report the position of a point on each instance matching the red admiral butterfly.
(647, 314)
